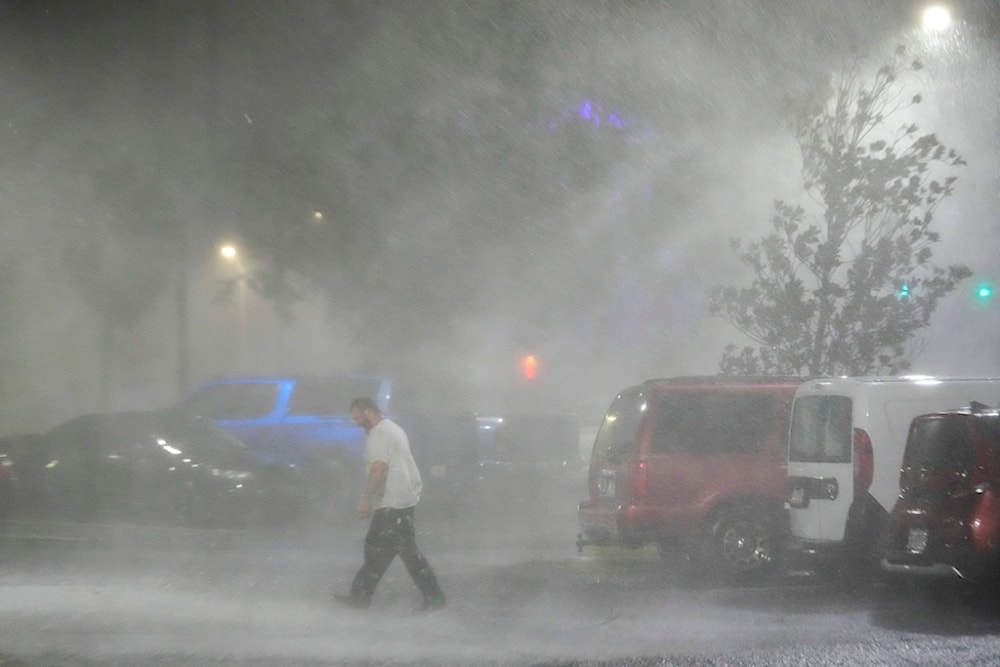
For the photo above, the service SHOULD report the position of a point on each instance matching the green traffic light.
(984, 291)
(904, 290)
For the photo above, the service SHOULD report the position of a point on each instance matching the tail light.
(864, 462)
(984, 525)
(639, 474)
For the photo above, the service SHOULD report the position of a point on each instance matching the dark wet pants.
(390, 534)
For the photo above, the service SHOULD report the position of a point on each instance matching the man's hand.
(364, 508)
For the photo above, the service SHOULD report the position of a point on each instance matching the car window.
(939, 443)
(616, 437)
(712, 422)
(821, 429)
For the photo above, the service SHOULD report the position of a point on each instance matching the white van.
(845, 449)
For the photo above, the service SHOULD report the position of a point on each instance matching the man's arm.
(374, 487)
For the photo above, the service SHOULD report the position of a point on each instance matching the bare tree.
(843, 290)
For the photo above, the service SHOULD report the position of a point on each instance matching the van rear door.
(820, 466)
(614, 447)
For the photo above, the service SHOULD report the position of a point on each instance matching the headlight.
(166, 446)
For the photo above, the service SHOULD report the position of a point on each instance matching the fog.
(430, 190)
(494, 180)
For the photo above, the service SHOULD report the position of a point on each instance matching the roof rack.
(729, 379)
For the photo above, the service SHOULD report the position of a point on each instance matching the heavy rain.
(514, 210)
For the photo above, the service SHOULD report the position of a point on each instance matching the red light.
(864, 462)
(529, 366)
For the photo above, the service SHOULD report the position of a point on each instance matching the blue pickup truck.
(305, 422)
(300, 421)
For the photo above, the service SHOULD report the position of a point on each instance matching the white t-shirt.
(387, 442)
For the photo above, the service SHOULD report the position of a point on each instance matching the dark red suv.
(946, 521)
(696, 463)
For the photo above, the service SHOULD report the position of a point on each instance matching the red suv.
(946, 521)
(697, 463)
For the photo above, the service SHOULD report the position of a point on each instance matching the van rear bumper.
(613, 524)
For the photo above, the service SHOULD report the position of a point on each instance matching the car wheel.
(742, 544)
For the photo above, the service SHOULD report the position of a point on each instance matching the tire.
(742, 544)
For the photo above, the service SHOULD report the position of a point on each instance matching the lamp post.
(231, 254)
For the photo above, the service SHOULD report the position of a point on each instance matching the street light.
(936, 18)
(229, 253)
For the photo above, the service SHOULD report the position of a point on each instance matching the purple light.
(592, 113)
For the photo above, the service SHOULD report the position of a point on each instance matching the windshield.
(200, 438)
(109, 435)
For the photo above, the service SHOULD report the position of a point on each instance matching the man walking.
(392, 491)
